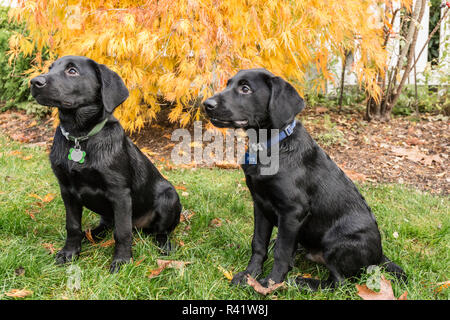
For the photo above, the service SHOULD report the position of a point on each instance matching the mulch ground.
(414, 153)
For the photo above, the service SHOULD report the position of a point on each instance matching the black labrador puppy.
(97, 165)
(310, 199)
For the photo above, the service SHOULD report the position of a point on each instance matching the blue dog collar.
(286, 132)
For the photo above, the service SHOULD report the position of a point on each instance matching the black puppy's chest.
(83, 181)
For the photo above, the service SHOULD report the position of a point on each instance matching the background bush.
(14, 88)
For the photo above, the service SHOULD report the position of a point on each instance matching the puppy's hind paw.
(116, 264)
(308, 283)
(63, 256)
(164, 244)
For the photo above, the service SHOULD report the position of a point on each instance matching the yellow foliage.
(184, 51)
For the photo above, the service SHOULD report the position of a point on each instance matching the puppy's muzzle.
(210, 104)
(39, 82)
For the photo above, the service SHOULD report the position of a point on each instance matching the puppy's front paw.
(240, 278)
(66, 255)
(117, 262)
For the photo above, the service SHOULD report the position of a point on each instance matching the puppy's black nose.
(210, 104)
(38, 81)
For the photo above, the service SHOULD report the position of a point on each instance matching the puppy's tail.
(393, 268)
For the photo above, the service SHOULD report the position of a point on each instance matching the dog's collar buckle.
(289, 129)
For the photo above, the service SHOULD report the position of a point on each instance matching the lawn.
(414, 227)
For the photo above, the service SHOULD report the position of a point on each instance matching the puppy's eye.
(72, 71)
(245, 89)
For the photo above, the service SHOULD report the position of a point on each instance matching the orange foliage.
(183, 51)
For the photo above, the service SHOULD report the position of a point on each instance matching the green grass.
(420, 219)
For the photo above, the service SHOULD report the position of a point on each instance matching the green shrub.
(429, 100)
(14, 88)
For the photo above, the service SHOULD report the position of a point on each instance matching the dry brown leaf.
(413, 154)
(19, 293)
(227, 165)
(355, 176)
(321, 110)
(49, 247)
(263, 290)
(137, 263)
(175, 264)
(180, 188)
(15, 153)
(156, 272)
(34, 195)
(428, 160)
(48, 197)
(442, 286)
(386, 292)
(29, 157)
(413, 141)
(186, 216)
(216, 222)
(31, 213)
(107, 243)
(162, 264)
(89, 236)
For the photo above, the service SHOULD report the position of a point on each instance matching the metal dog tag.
(76, 155)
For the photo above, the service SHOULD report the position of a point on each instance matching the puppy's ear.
(285, 102)
(113, 89)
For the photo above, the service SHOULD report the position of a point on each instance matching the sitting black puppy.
(97, 165)
(310, 199)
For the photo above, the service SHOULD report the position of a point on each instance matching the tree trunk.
(390, 94)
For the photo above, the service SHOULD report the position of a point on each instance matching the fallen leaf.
(226, 273)
(49, 197)
(412, 141)
(186, 216)
(355, 176)
(89, 236)
(107, 243)
(321, 110)
(137, 263)
(227, 165)
(156, 272)
(386, 292)
(49, 247)
(31, 213)
(32, 124)
(428, 160)
(175, 264)
(19, 293)
(442, 286)
(185, 194)
(413, 154)
(216, 222)
(15, 153)
(162, 264)
(180, 188)
(263, 290)
(34, 195)
(29, 157)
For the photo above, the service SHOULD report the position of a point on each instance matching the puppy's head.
(73, 82)
(254, 98)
